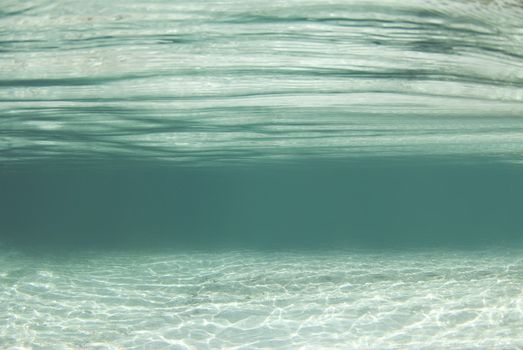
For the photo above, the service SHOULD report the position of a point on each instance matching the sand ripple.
(249, 300)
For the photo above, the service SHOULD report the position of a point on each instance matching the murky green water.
(279, 174)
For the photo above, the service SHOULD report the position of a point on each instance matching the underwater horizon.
(261, 175)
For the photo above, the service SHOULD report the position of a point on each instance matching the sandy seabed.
(430, 299)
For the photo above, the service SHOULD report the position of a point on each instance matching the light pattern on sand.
(246, 300)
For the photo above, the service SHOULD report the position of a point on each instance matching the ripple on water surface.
(241, 81)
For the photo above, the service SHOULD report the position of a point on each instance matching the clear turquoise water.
(206, 82)
(278, 174)
(359, 299)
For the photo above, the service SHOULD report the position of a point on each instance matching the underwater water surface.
(244, 174)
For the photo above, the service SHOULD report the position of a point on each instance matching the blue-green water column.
(314, 204)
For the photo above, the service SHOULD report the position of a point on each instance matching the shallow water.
(209, 82)
(243, 174)
(441, 299)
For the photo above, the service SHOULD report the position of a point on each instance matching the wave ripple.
(222, 81)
